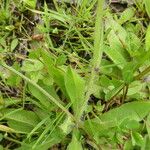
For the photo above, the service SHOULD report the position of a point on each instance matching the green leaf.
(97, 128)
(75, 143)
(115, 56)
(35, 76)
(24, 116)
(30, 3)
(147, 39)
(147, 5)
(105, 81)
(113, 92)
(46, 143)
(142, 58)
(20, 120)
(128, 145)
(127, 15)
(148, 125)
(117, 41)
(137, 139)
(135, 88)
(58, 76)
(57, 73)
(132, 124)
(20, 127)
(133, 43)
(117, 35)
(8, 102)
(51, 98)
(128, 72)
(14, 44)
(75, 87)
(132, 111)
(128, 123)
(12, 79)
(146, 144)
(61, 60)
(40, 96)
(67, 125)
(32, 65)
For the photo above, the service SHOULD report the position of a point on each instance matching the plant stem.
(143, 73)
(97, 54)
(125, 91)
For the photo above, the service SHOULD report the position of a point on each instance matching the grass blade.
(51, 98)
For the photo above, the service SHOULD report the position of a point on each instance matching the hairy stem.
(97, 54)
